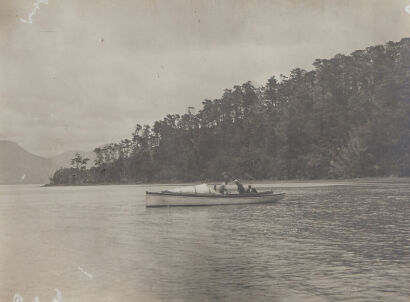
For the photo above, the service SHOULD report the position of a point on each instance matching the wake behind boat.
(204, 195)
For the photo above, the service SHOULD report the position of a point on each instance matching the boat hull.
(167, 199)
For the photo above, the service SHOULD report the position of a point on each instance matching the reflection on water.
(321, 243)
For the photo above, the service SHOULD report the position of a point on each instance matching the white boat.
(178, 197)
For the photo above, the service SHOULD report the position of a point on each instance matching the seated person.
(241, 189)
(222, 189)
(251, 190)
(226, 177)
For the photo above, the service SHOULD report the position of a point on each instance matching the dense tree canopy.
(349, 117)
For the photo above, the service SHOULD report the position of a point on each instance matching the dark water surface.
(323, 242)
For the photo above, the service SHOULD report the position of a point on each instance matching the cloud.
(63, 89)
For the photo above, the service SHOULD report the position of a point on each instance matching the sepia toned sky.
(84, 72)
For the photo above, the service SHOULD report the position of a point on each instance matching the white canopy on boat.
(198, 189)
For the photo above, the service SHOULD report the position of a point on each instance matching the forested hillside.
(348, 117)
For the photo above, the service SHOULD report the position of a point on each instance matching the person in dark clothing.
(223, 189)
(240, 186)
(226, 177)
(251, 190)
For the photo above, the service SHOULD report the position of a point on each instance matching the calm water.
(349, 241)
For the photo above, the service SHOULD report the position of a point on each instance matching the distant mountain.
(63, 160)
(18, 166)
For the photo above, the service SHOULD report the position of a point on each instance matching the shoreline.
(292, 182)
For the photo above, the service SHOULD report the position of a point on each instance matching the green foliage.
(349, 117)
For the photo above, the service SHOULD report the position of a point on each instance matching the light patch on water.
(85, 273)
(59, 296)
(407, 9)
(34, 11)
(17, 298)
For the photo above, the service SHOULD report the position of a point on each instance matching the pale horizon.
(79, 75)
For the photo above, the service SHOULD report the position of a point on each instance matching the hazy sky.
(84, 72)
